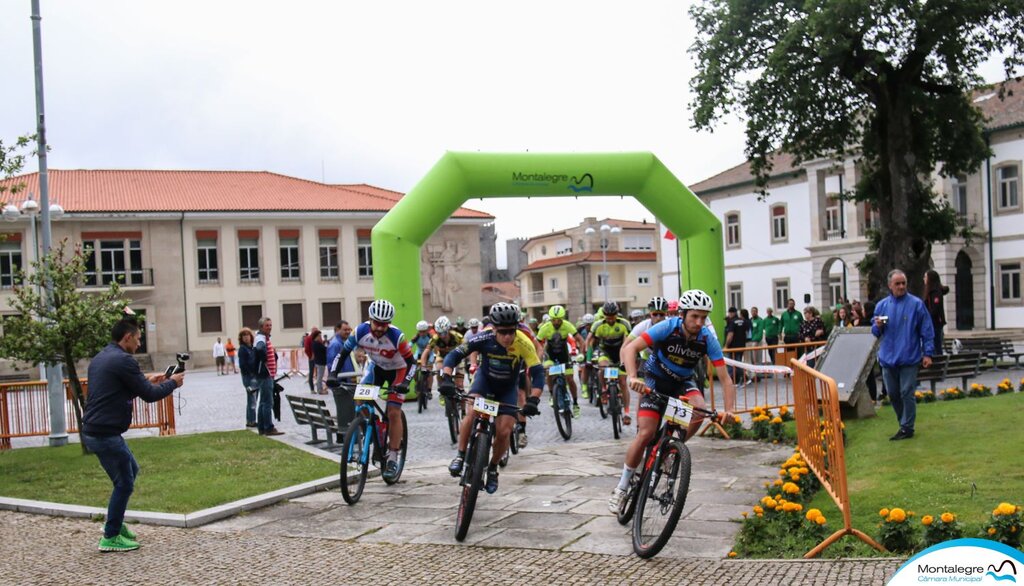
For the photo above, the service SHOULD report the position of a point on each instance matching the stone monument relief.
(442, 281)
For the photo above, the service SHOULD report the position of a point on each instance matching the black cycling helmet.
(504, 314)
(610, 308)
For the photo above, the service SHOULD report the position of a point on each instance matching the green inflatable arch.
(460, 176)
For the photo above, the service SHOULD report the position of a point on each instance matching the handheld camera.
(179, 367)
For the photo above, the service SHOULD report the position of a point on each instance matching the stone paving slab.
(533, 539)
(174, 556)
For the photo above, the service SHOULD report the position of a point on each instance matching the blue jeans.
(265, 411)
(119, 463)
(250, 399)
(901, 382)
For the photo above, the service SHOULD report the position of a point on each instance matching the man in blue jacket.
(115, 380)
(907, 342)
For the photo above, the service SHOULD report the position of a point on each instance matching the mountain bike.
(478, 456)
(424, 381)
(562, 400)
(657, 492)
(594, 386)
(454, 412)
(366, 441)
(612, 394)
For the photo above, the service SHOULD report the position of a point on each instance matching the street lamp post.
(50, 372)
(605, 231)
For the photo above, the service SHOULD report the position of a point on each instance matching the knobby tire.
(478, 459)
(661, 498)
(354, 449)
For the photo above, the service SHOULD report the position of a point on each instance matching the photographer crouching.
(115, 379)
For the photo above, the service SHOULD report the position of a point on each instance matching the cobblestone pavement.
(46, 550)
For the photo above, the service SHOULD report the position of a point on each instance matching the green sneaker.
(575, 411)
(128, 533)
(117, 543)
(586, 393)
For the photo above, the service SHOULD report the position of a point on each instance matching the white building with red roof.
(204, 253)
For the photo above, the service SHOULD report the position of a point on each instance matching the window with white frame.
(249, 260)
(602, 279)
(563, 247)
(1009, 282)
(114, 260)
(289, 251)
(959, 196)
(364, 254)
(553, 284)
(833, 224)
(638, 242)
(780, 233)
(643, 278)
(780, 292)
(1008, 188)
(206, 261)
(732, 230)
(10, 264)
(735, 295)
(835, 289)
(329, 268)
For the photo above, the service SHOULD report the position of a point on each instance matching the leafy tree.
(75, 326)
(887, 81)
(12, 161)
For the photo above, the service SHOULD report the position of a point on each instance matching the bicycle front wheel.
(477, 459)
(615, 409)
(355, 461)
(451, 412)
(563, 412)
(402, 451)
(660, 500)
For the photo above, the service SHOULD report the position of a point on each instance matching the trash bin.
(344, 407)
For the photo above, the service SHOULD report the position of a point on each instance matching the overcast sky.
(362, 92)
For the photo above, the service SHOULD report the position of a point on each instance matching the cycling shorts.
(506, 394)
(606, 359)
(652, 405)
(376, 375)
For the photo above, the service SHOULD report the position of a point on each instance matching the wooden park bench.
(965, 365)
(995, 349)
(314, 413)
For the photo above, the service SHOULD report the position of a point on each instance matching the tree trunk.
(897, 181)
(78, 397)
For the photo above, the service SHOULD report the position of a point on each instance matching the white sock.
(392, 455)
(627, 473)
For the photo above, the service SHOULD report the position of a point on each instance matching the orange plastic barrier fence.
(292, 361)
(755, 387)
(24, 412)
(820, 440)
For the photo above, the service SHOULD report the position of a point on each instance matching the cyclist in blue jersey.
(678, 345)
(422, 338)
(503, 350)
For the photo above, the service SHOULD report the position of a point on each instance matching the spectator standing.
(230, 351)
(307, 349)
(756, 336)
(247, 366)
(812, 329)
(902, 323)
(843, 318)
(218, 357)
(934, 292)
(791, 320)
(115, 379)
(265, 369)
(342, 331)
(772, 328)
(735, 337)
(319, 362)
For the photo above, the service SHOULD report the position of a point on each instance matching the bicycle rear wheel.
(402, 451)
(629, 503)
(615, 409)
(473, 480)
(354, 455)
(661, 498)
(601, 393)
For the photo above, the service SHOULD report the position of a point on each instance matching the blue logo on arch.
(583, 184)
(997, 573)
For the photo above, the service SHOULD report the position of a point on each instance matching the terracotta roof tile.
(85, 191)
(592, 256)
(627, 224)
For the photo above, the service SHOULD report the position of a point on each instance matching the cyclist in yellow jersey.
(611, 333)
(444, 341)
(554, 334)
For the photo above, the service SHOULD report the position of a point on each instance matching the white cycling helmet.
(658, 304)
(474, 323)
(381, 310)
(442, 325)
(695, 299)
(636, 313)
(546, 318)
(588, 318)
(422, 325)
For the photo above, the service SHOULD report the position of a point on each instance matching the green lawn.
(964, 458)
(179, 474)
